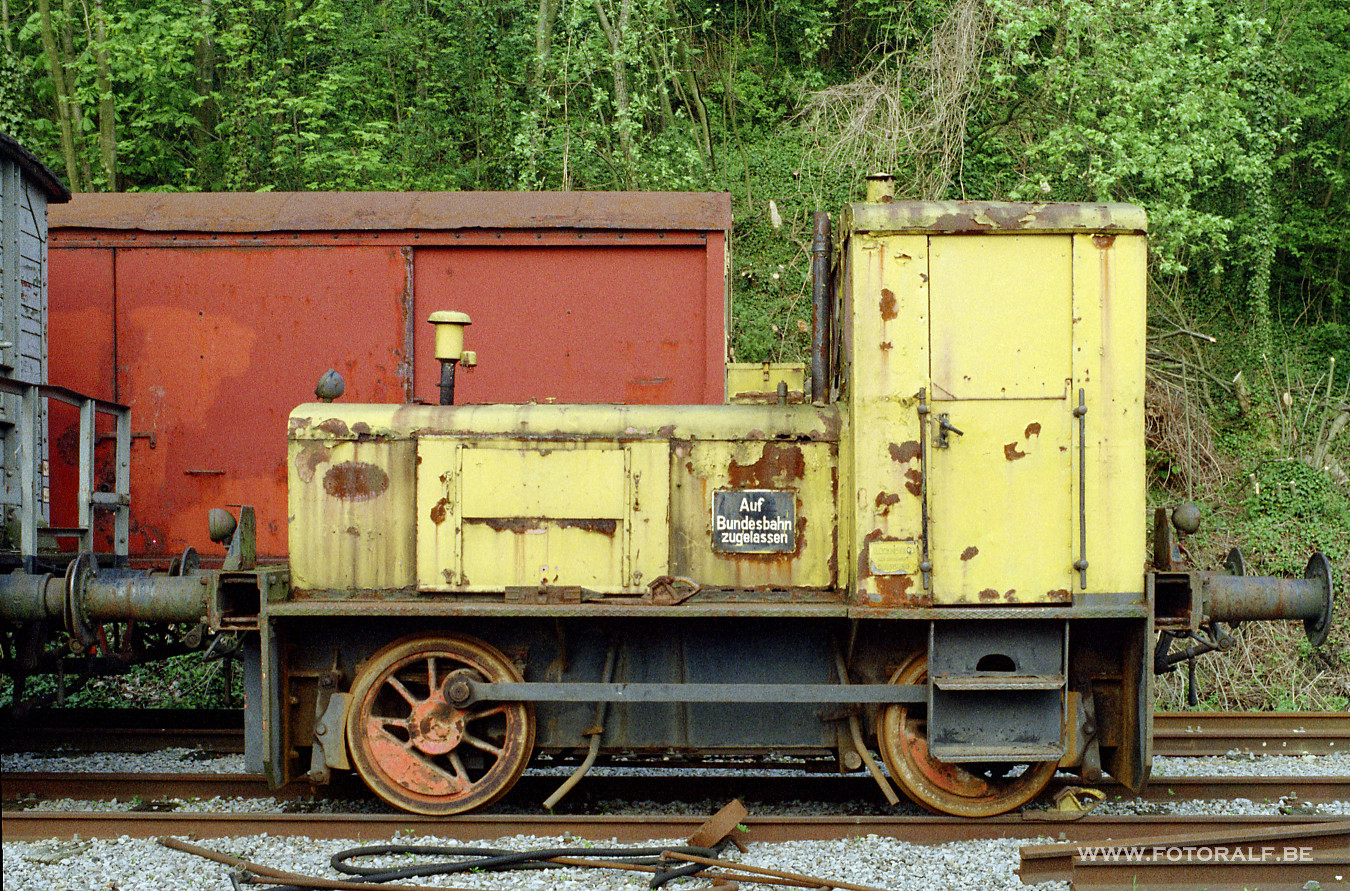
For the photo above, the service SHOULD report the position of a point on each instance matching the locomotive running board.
(462, 693)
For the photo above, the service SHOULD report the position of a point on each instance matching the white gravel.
(883, 862)
(137, 865)
(163, 761)
(1243, 764)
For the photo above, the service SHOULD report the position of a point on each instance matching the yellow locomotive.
(934, 553)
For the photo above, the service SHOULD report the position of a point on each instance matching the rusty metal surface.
(803, 604)
(310, 211)
(624, 323)
(32, 826)
(822, 325)
(127, 786)
(1194, 857)
(411, 744)
(1231, 598)
(1278, 733)
(969, 217)
(212, 334)
(565, 423)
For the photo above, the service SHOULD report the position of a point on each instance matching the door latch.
(945, 427)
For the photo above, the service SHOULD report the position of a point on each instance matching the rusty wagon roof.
(385, 211)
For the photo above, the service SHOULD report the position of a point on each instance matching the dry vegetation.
(909, 116)
(1284, 424)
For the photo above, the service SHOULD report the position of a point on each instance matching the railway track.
(1283, 855)
(1095, 853)
(222, 730)
(35, 825)
(1260, 733)
(531, 789)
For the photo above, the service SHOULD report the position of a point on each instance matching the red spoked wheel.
(422, 754)
(963, 790)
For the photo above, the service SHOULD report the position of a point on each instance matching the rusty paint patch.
(1011, 452)
(1103, 241)
(361, 428)
(510, 524)
(310, 457)
(955, 222)
(1033, 429)
(1008, 594)
(666, 432)
(438, 512)
(885, 345)
(889, 309)
(355, 481)
(522, 525)
(604, 527)
(905, 451)
(297, 424)
(914, 482)
(864, 565)
(900, 590)
(833, 424)
(779, 463)
(988, 595)
(969, 552)
(335, 427)
(886, 499)
(1059, 595)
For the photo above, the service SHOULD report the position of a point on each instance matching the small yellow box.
(751, 382)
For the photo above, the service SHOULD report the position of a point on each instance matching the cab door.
(1001, 442)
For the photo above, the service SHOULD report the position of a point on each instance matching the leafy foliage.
(1228, 121)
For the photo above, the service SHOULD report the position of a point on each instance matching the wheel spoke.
(499, 709)
(403, 691)
(431, 673)
(482, 744)
(460, 772)
(381, 723)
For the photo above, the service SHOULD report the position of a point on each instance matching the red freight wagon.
(212, 315)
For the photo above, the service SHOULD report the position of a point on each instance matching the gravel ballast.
(132, 864)
(141, 865)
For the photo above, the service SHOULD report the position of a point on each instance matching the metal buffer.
(1190, 605)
